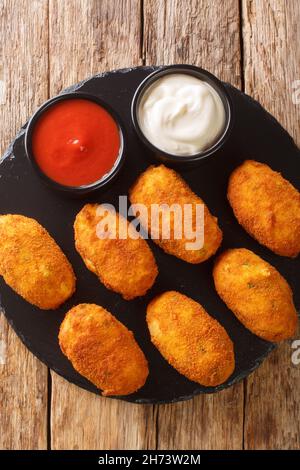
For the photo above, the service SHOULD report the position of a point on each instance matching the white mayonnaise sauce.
(181, 114)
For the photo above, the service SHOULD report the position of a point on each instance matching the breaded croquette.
(32, 264)
(103, 350)
(267, 206)
(126, 266)
(191, 341)
(161, 185)
(256, 293)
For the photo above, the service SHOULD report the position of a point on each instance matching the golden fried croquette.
(256, 293)
(161, 185)
(127, 265)
(191, 341)
(103, 350)
(32, 264)
(267, 206)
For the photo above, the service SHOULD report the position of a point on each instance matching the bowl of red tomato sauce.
(76, 143)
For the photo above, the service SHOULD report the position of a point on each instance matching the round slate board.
(256, 135)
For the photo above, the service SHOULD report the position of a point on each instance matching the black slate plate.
(256, 135)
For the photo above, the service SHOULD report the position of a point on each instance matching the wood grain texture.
(87, 37)
(272, 63)
(201, 32)
(204, 33)
(271, 37)
(73, 39)
(82, 420)
(206, 422)
(90, 36)
(23, 86)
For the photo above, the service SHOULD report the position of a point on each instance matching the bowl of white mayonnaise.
(182, 113)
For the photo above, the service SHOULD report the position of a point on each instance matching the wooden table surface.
(46, 45)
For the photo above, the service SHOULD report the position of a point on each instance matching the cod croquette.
(103, 350)
(32, 264)
(127, 265)
(162, 186)
(256, 293)
(267, 206)
(194, 343)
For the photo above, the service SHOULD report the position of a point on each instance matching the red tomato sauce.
(75, 142)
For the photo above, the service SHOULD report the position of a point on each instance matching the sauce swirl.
(76, 142)
(181, 114)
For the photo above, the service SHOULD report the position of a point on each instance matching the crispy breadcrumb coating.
(191, 341)
(126, 266)
(256, 293)
(32, 264)
(267, 206)
(161, 185)
(103, 350)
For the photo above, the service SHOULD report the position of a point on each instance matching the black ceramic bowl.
(102, 183)
(214, 82)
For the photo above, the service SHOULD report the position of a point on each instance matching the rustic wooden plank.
(200, 32)
(87, 37)
(90, 36)
(272, 57)
(82, 420)
(272, 65)
(23, 86)
(206, 422)
(204, 33)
